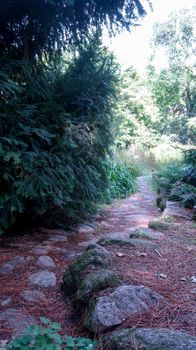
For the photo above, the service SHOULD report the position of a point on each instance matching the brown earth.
(167, 270)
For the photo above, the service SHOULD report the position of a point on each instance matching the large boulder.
(92, 259)
(106, 312)
(149, 339)
(93, 282)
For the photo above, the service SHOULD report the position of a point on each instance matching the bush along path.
(127, 278)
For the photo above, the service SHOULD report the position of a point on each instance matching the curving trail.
(167, 269)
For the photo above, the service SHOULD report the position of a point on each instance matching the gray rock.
(143, 232)
(149, 339)
(58, 238)
(5, 301)
(43, 279)
(161, 225)
(12, 264)
(173, 210)
(103, 315)
(45, 261)
(137, 243)
(17, 320)
(95, 281)
(40, 250)
(85, 229)
(70, 255)
(106, 312)
(32, 296)
(89, 261)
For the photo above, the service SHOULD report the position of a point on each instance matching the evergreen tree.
(29, 28)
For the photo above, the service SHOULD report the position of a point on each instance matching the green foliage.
(188, 175)
(121, 180)
(190, 156)
(55, 135)
(170, 172)
(47, 337)
(31, 28)
(135, 111)
(173, 88)
(176, 182)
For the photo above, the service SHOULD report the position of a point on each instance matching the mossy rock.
(133, 242)
(146, 233)
(160, 225)
(94, 281)
(149, 339)
(90, 260)
(161, 202)
(106, 312)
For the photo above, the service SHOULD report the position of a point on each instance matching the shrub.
(121, 180)
(47, 337)
(190, 156)
(188, 175)
(55, 135)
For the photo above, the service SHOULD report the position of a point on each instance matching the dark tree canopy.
(29, 28)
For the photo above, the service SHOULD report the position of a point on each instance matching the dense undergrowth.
(176, 182)
(55, 136)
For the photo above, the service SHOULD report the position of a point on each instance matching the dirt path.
(167, 269)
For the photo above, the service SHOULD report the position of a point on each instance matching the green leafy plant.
(121, 180)
(47, 337)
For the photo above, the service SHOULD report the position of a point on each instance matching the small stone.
(120, 255)
(58, 238)
(32, 295)
(45, 261)
(39, 250)
(183, 279)
(85, 229)
(69, 255)
(161, 275)
(17, 320)
(43, 279)
(11, 265)
(193, 279)
(5, 301)
(142, 254)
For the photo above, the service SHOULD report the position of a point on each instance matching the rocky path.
(32, 266)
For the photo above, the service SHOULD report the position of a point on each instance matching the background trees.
(174, 88)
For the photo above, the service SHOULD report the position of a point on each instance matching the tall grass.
(146, 159)
(122, 181)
